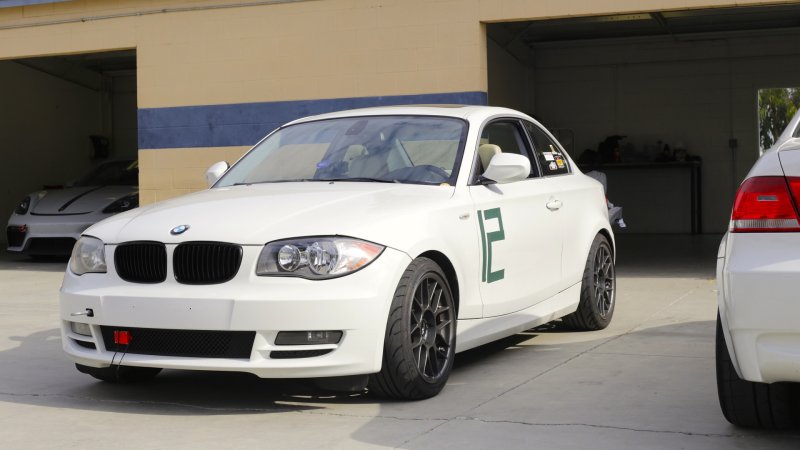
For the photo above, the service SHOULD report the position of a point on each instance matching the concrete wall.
(231, 73)
(701, 93)
(44, 132)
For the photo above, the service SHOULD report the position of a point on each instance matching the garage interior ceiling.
(516, 36)
(86, 69)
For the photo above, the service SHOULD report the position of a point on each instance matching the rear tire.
(119, 374)
(749, 404)
(598, 289)
(420, 342)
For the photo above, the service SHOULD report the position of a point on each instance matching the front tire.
(598, 289)
(749, 404)
(119, 374)
(420, 342)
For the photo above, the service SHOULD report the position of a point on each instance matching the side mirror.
(215, 172)
(507, 168)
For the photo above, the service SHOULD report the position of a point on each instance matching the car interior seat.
(370, 165)
(486, 152)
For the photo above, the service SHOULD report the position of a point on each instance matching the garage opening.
(664, 102)
(776, 107)
(63, 116)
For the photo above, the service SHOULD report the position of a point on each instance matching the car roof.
(465, 112)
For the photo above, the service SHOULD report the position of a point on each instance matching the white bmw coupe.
(371, 245)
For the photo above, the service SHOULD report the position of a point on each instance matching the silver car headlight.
(23, 206)
(316, 257)
(88, 256)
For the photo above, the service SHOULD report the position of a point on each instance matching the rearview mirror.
(507, 168)
(215, 172)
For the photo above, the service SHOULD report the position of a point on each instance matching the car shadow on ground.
(35, 372)
(38, 373)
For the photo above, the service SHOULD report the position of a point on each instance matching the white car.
(758, 278)
(49, 222)
(372, 245)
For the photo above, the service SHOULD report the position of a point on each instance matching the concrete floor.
(645, 382)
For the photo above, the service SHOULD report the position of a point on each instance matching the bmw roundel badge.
(180, 229)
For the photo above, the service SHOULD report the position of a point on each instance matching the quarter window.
(552, 159)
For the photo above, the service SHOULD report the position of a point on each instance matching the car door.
(572, 197)
(519, 234)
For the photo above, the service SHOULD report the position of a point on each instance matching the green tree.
(776, 107)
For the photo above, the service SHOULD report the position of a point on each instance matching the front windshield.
(392, 149)
(116, 173)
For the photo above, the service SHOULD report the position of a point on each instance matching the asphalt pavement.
(646, 382)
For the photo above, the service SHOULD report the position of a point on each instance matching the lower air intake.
(15, 236)
(187, 343)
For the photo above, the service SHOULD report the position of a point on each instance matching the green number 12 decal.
(487, 275)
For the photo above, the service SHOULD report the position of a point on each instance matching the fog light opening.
(308, 337)
(84, 329)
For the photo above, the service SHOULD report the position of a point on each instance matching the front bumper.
(48, 235)
(357, 304)
(758, 280)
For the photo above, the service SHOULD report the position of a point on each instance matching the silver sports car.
(49, 222)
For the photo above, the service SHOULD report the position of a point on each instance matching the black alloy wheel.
(604, 280)
(431, 324)
(598, 289)
(420, 341)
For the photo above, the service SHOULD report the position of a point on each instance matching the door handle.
(554, 205)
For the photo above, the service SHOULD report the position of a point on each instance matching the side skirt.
(475, 332)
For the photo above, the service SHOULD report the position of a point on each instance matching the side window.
(508, 137)
(551, 159)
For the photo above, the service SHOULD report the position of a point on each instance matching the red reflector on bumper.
(122, 337)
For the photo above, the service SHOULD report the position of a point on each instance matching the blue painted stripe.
(246, 123)
(12, 3)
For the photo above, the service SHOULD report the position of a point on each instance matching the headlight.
(23, 206)
(88, 256)
(123, 204)
(316, 257)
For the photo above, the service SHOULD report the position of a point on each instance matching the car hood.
(79, 200)
(257, 214)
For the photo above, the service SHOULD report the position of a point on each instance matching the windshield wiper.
(275, 181)
(359, 179)
(356, 179)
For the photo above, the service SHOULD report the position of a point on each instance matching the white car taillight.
(766, 204)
